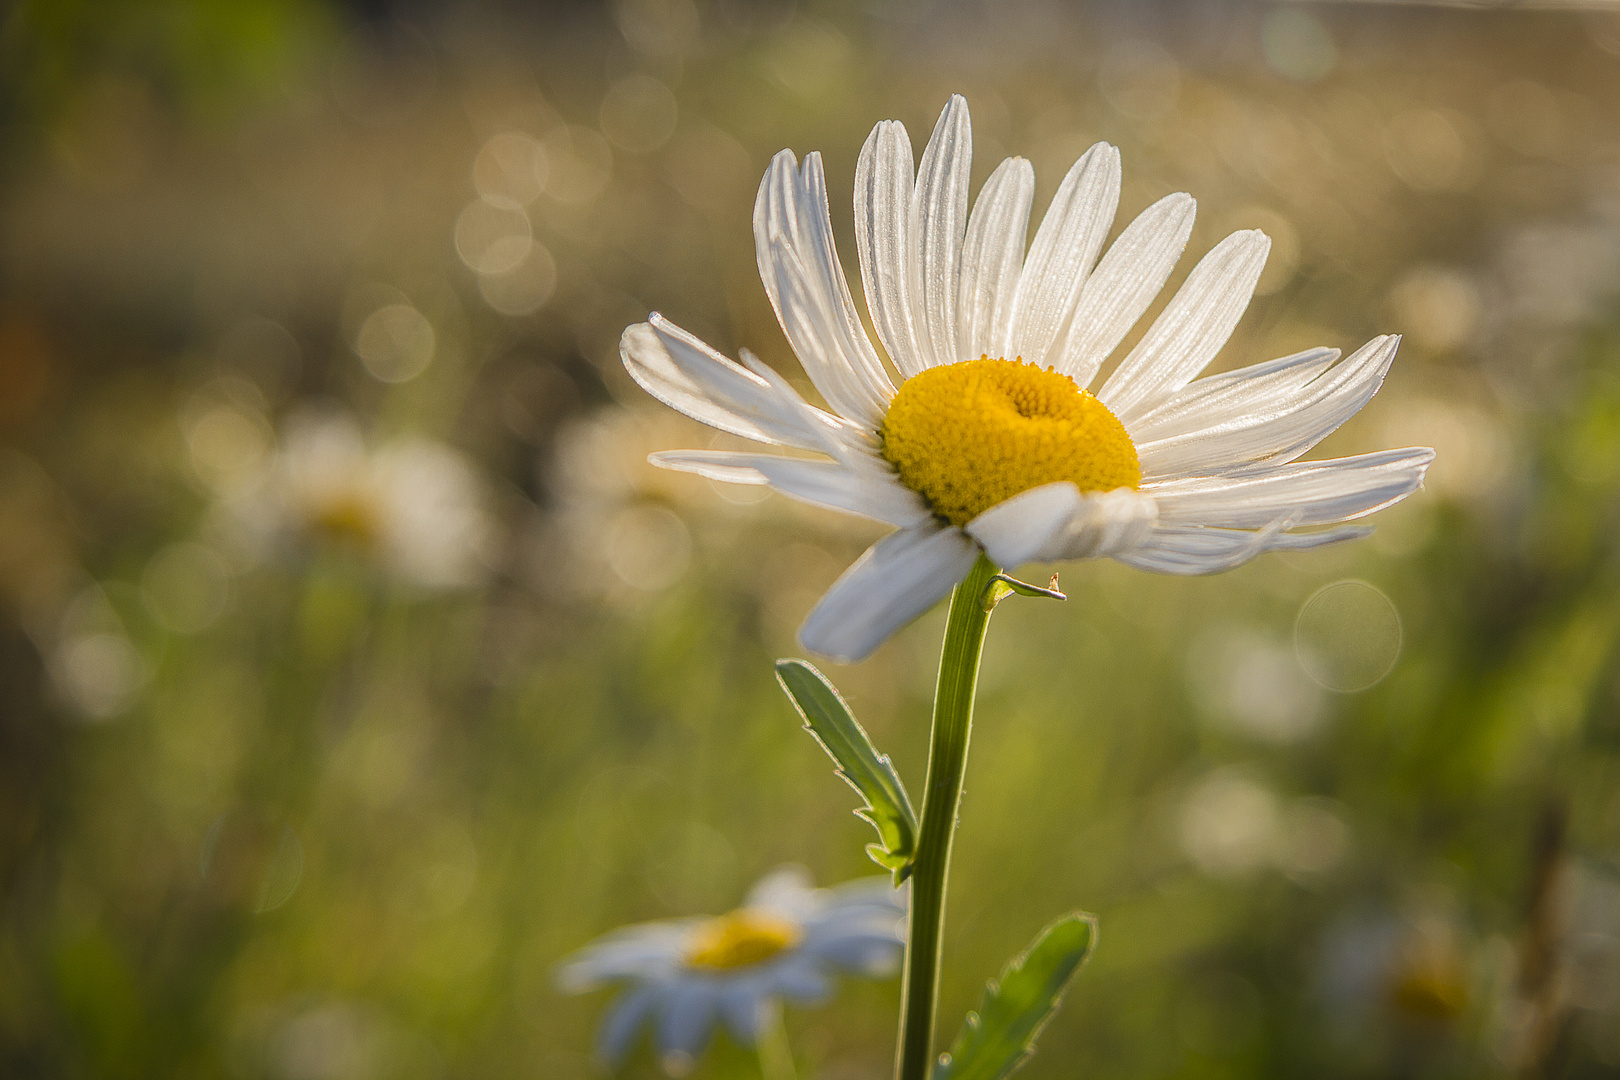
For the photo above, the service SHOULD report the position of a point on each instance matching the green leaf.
(1001, 1036)
(887, 808)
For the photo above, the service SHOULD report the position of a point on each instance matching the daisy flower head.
(787, 942)
(990, 430)
(413, 506)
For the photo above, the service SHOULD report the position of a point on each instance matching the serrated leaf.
(870, 773)
(1001, 1036)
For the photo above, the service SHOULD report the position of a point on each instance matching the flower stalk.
(775, 1055)
(947, 762)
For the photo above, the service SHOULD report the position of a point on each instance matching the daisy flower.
(993, 432)
(787, 941)
(414, 506)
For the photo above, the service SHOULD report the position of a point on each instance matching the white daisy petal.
(815, 224)
(802, 981)
(840, 439)
(884, 183)
(1278, 427)
(897, 579)
(690, 377)
(1016, 531)
(1208, 402)
(1125, 284)
(688, 1017)
(724, 466)
(1193, 549)
(1062, 254)
(879, 496)
(804, 319)
(939, 210)
(992, 255)
(872, 955)
(1191, 330)
(742, 1007)
(641, 951)
(1309, 493)
(787, 889)
(860, 929)
(799, 264)
(1105, 523)
(623, 1022)
(863, 894)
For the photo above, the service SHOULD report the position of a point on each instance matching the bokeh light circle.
(395, 343)
(1348, 636)
(648, 547)
(638, 113)
(492, 239)
(524, 287)
(510, 171)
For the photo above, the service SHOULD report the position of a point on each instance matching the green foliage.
(828, 718)
(1000, 1036)
(208, 57)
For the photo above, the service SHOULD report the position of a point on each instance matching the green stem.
(775, 1055)
(947, 760)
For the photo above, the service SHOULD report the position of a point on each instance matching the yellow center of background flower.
(348, 518)
(968, 436)
(740, 938)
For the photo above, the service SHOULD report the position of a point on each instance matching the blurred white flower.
(1232, 824)
(1229, 823)
(93, 663)
(1412, 968)
(415, 506)
(1251, 684)
(787, 941)
(990, 442)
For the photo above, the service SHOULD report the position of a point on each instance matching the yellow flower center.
(740, 938)
(348, 517)
(968, 436)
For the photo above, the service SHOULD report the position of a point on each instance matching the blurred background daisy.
(413, 508)
(272, 807)
(788, 942)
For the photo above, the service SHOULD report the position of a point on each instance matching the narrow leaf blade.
(870, 773)
(1000, 1037)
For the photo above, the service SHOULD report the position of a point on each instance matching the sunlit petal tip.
(954, 119)
(784, 160)
(575, 978)
(1125, 283)
(993, 258)
(1192, 328)
(1062, 256)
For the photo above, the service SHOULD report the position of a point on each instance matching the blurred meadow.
(356, 667)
